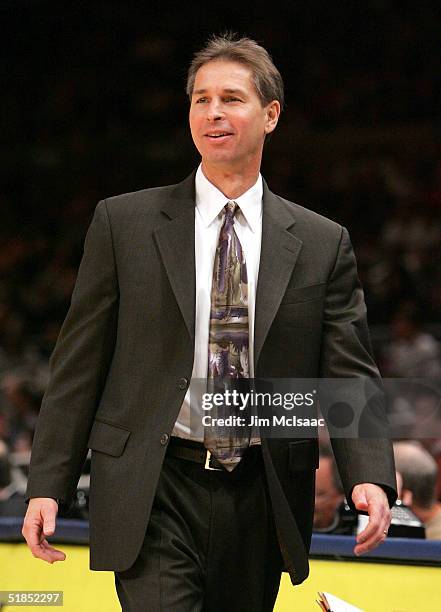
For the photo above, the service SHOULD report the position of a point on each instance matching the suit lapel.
(175, 240)
(279, 252)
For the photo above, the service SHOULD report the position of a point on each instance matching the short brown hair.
(419, 472)
(267, 79)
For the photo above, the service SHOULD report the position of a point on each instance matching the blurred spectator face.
(402, 327)
(327, 496)
(23, 442)
(227, 120)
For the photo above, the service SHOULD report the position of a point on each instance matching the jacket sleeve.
(367, 455)
(78, 369)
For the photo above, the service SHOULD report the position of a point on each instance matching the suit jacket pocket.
(303, 455)
(295, 295)
(107, 438)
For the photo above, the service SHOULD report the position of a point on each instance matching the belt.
(193, 451)
(196, 451)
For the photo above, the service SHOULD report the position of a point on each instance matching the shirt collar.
(210, 201)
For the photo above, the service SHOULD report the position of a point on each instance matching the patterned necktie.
(228, 343)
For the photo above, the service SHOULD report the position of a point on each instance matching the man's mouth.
(218, 135)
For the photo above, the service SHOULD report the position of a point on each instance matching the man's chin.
(220, 160)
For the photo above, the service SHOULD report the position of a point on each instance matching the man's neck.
(232, 184)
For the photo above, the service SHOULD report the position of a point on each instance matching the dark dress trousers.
(124, 359)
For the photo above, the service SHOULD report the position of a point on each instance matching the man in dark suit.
(214, 275)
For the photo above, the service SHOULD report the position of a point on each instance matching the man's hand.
(39, 523)
(372, 499)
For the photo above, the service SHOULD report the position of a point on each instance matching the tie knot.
(231, 209)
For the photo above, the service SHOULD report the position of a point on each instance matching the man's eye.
(199, 100)
(232, 99)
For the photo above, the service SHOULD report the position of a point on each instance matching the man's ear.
(272, 116)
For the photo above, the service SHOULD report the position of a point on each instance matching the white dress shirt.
(209, 216)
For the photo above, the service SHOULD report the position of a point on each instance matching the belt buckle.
(207, 465)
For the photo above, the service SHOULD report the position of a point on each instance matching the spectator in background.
(412, 352)
(329, 493)
(11, 500)
(17, 353)
(23, 378)
(419, 472)
(20, 401)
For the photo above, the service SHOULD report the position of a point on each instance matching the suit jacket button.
(183, 383)
(164, 439)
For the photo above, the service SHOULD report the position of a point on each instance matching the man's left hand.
(372, 499)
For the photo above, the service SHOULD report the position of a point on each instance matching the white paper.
(338, 605)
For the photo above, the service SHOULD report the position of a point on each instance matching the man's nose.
(215, 111)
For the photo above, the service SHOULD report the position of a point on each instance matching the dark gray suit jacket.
(124, 356)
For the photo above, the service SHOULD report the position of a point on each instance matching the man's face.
(227, 120)
(327, 497)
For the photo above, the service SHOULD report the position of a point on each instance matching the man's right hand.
(39, 523)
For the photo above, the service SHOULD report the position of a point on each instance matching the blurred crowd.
(417, 512)
(95, 106)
